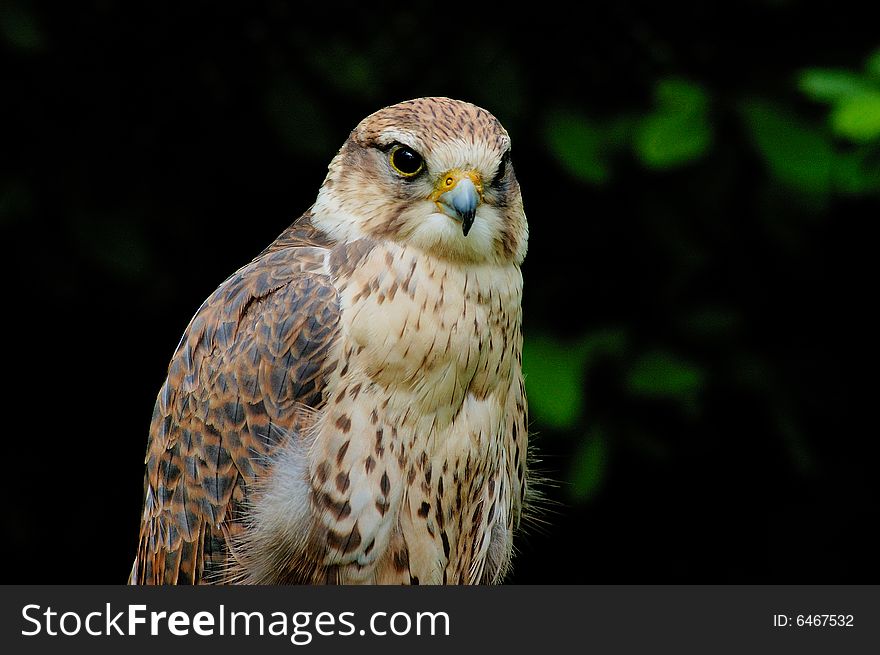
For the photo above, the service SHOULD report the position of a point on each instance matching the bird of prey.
(349, 406)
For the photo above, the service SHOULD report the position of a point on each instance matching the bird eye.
(406, 161)
(502, 169)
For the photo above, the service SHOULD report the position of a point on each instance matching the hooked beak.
(459, 196)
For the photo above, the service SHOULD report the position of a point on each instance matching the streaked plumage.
(349, 407)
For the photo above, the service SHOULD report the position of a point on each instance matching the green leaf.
(590, 464)
(554, 382)
(668, 139)
(831, 84)
(679, 96)
(579, 145)
(678, 131)
(555, 373)
(661, 374)
(858, 117)
(797, 153)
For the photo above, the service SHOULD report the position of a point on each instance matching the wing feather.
(253, 356)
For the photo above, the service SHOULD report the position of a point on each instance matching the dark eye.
(502, 169)
(406, 161)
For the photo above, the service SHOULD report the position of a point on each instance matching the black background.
(150, 150)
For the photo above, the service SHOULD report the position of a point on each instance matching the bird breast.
(434, 331)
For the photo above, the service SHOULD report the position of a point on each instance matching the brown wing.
(252, 356)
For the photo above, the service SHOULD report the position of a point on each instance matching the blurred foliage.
(589, 465)
(580, 145)
(678, 130)
(798, 154)
(555, 372)
(854, 98)
(811, 158)
(663, 375)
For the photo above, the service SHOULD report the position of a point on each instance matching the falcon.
(349, 408)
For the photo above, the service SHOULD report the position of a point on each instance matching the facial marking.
(397, 178)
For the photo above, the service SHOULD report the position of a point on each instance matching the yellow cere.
(451, 178)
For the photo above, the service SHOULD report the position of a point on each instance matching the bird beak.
(458, 196)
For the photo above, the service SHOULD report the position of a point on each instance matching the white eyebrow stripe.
(460, 153)
(391, 135)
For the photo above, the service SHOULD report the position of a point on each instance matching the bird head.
(432, 173)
